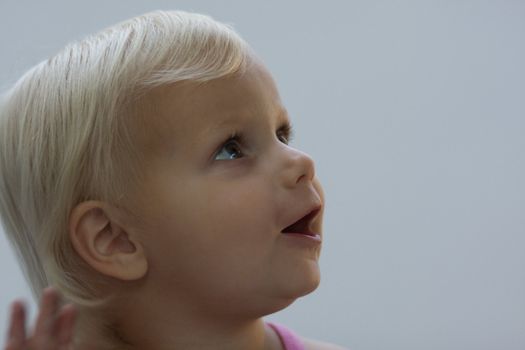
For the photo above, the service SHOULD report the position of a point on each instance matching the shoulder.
(311, 344)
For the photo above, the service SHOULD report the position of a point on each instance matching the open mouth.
(302, 225)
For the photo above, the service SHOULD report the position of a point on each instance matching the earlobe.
(104, 244)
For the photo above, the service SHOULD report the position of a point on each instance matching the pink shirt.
(289, 339)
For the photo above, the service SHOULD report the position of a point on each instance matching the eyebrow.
(231, 120)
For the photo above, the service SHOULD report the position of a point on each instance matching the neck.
(145, 325)
(247, 335)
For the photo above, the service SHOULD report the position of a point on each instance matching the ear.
(104, 244)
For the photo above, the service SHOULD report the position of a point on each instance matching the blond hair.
(65, 130)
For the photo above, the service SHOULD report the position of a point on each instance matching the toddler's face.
(214, 206)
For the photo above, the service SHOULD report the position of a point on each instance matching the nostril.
(297, 167)
(307, 167)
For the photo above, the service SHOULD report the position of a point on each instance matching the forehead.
(174, 114)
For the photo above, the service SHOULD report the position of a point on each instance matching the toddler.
(146, 174)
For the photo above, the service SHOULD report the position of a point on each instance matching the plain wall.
(415, 114)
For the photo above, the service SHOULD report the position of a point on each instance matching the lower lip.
(316, 239)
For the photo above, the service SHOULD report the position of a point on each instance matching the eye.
(231, 149)
(285, 133)
(283, 138)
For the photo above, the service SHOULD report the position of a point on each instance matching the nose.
(297, 167)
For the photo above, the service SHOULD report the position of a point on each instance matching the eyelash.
(285, 131)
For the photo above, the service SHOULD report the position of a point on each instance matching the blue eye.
(285, 133)
(230, 150)
(284, 138)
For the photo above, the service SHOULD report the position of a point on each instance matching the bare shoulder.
(311, 344)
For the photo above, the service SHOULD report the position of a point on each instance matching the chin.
(311, 284)
(304, 282)
(285, 295)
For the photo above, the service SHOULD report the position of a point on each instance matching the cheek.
(244, 213)
(219, 230)
(228, 220)
(222, 243)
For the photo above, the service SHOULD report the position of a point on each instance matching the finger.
(16, 335)
(46, 318)
(65, 325)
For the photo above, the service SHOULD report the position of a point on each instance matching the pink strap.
(289, 339)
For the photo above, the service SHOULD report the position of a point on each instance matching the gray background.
(415, 114)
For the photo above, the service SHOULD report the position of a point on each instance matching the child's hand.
(53, 329)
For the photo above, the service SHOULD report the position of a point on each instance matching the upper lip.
(307, 221)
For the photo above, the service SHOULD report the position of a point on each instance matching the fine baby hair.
(81, 137)
(65, 130)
